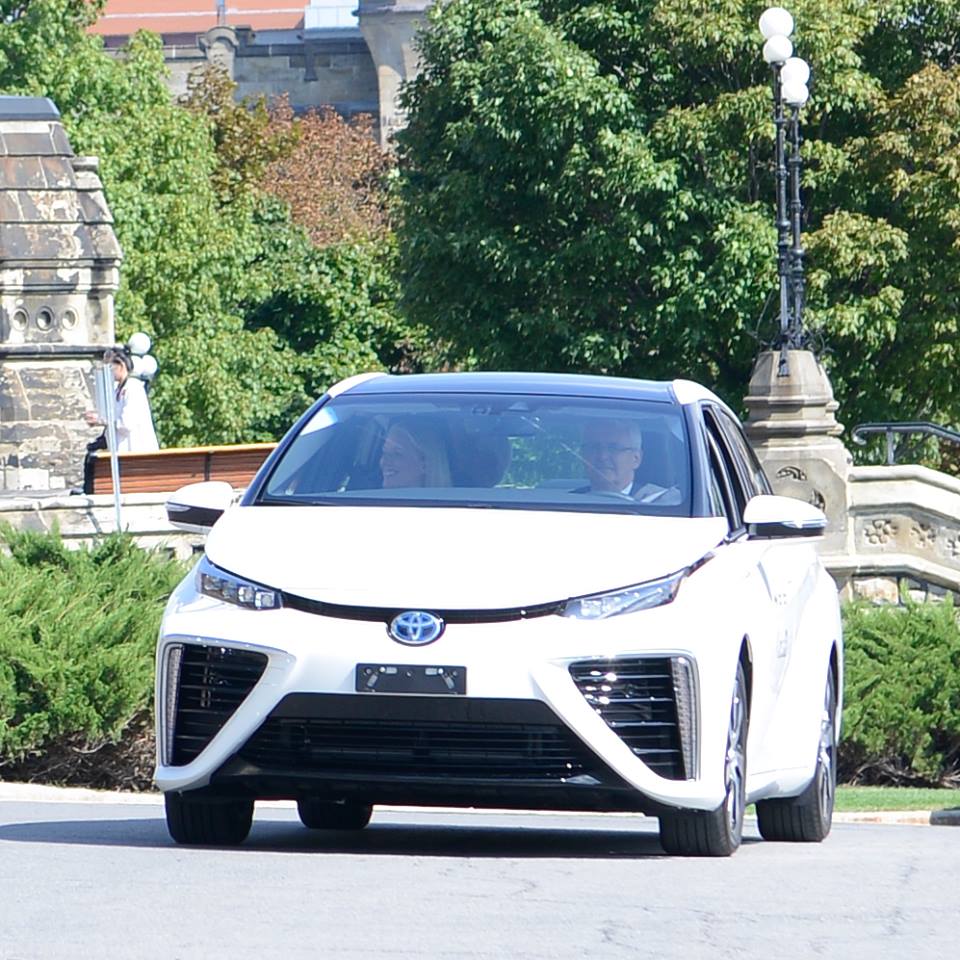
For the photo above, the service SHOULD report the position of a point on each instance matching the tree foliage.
(333, 178)
(204, 244)
(589, 186)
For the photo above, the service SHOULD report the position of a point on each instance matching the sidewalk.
(35, 793)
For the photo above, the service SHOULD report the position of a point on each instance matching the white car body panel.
(512, 557)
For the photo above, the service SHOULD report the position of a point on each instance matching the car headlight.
(217, 583)
(642, 596)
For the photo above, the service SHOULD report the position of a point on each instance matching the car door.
(788, 565)
(768, 568)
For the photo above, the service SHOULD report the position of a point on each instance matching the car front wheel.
(220, 823)
(717, 833)
(807, 818)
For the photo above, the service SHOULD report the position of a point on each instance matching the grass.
(864, 799)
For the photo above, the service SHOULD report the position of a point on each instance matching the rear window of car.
(495, 451)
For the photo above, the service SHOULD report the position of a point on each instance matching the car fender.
(794, 732)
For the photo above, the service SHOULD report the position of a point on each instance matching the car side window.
(752, 473)
(721, 483)
(736, 494)
(718, 505)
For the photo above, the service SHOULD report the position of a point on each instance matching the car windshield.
(476, 450)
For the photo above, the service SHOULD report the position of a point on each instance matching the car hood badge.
(415, 628)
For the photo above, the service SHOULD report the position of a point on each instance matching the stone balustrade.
(81, 518)
(903, 533)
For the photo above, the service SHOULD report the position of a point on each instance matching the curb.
(924, 818)
(40, 793)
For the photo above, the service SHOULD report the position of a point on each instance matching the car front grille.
(210, 683)
(649, 703)
(426, 738)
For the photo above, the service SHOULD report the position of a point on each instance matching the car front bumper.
(529, 732)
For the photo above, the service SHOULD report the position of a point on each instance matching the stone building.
(59, 270)
(352, 55)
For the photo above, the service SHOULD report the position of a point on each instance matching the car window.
(754, 479)
(723, 463)
(491, 451)
(720, 484)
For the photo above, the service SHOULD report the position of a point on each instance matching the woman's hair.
(121, 354)
(426, 438)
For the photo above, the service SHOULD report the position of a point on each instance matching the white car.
(504, 590)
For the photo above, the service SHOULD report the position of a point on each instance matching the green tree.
(190, 252)
(246, 140)
(589, 186)
(214, 270)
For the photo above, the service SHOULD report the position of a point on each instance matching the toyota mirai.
(527, 591)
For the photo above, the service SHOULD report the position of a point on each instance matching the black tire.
(333, 815)
(219, 823)
(716, 833)
(807, 818)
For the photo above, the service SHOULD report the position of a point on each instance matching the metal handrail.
(903, 427)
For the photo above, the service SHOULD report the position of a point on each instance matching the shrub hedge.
(77, 635)
(902, 694)
(78, 627)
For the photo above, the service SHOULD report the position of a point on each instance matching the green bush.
(902, 694)
(77, 634)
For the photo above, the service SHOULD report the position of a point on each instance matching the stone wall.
(903, 533)
(332, 68)
(81, 518)
(354, 69)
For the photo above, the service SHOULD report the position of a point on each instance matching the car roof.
(543, 384)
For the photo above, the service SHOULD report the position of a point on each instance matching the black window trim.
(744, 454)
(718, 461)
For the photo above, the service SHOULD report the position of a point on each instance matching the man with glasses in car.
(612, 450)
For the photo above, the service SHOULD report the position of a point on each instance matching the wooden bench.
(166, 470)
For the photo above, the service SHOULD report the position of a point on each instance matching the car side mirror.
(767, 517)
(198, 506)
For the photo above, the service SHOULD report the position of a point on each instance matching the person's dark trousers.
(99, 444)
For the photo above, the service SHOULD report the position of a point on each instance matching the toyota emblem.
(415, 628)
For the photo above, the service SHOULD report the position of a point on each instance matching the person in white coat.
(135, 431)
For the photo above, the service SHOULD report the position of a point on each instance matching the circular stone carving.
(69, 319)
(19, 320)
(44, 319)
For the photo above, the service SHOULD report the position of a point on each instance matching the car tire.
(333, 815)
(807, 818)
(717, 833)
(221, 823)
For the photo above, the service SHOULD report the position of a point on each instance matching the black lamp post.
(790, 93)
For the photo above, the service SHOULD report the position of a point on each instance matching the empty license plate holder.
(410, 678)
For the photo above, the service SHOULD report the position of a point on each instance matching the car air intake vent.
(648, 703)
(213, 682)
(529, 748)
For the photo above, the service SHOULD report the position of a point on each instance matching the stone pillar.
(59, 270)
(390, 28)
(794, 430)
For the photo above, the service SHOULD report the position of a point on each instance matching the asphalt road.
(103, 880)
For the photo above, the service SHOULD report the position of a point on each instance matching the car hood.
(453, 559)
